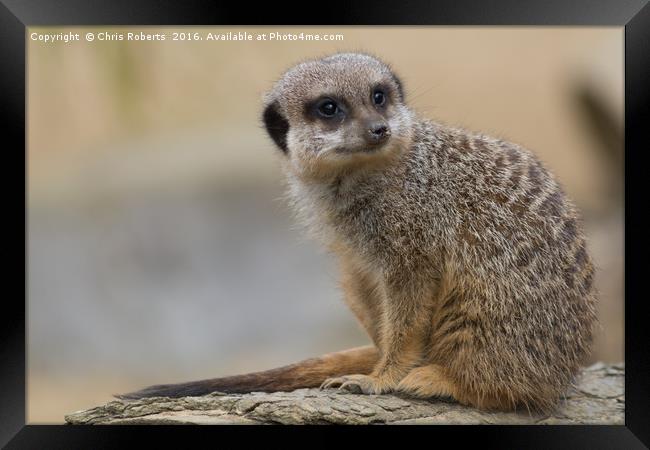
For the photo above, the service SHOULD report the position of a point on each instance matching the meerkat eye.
(378, 97)
(328, 108)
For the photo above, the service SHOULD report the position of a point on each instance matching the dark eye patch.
(326, 108)
(382, 93)
(378, 97)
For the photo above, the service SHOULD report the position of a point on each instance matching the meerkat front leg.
(361, 293)
(404, 332)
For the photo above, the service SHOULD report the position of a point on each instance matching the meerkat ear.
(276, 125)
(400, 87)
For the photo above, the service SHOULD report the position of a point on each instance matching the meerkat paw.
(356, 384)
(425, 382)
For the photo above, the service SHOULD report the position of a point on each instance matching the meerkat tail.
(304, 374)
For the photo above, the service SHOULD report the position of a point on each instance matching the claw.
(355, 384)
(332, 383)
(352, 387)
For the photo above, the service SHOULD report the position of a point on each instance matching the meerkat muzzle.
(377, 133)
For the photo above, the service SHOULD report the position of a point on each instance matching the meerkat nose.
(377, 133)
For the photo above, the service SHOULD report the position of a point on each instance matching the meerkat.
(460, 254)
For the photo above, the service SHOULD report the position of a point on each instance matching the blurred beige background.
(159, 247)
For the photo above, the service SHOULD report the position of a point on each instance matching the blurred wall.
(159, 246)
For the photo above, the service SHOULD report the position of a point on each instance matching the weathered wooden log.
(596, 398)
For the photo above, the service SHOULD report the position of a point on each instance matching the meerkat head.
(338, 114)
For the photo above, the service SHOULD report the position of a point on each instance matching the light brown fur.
(460, 254)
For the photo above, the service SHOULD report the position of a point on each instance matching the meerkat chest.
(382, 221)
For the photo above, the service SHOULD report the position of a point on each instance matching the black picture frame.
(633, 15)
